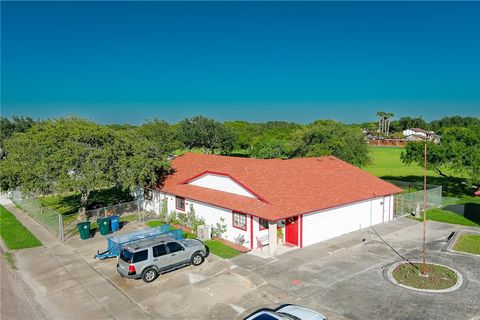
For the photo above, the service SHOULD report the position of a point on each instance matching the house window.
(263, 224)
(180, 203)
(240, 220)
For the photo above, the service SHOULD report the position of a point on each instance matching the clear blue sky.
(126, 62)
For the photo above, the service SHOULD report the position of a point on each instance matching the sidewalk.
(64, 284)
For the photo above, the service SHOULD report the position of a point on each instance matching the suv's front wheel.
(197, 259)
(149, 275)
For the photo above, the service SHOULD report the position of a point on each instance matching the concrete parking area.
(341, 277)
(217, 289)
(344, 275)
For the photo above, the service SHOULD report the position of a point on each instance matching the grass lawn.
(438, 277)
(469, 243)
(71, 203)
(154, 223)
(459, 205)
(14, 234)
(216, 247)
(447, 216)
(386, 162)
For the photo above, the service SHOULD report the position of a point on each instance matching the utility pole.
(424, 267)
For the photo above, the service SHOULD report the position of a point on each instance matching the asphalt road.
(15, 300)
(348, 280)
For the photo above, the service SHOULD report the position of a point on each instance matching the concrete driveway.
(344, 275)
(217, 289)
(341, 278)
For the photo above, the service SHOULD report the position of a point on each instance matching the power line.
(393, 248)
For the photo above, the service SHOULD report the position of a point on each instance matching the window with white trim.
(240, 220)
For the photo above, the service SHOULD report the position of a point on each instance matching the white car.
(286, 312)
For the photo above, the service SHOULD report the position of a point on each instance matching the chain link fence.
(46, 216)
(410, 201)
(127, 212)
(64, 226)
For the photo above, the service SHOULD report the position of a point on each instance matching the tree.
(408, 122)
(388, 117)
(9, 127)
(206, 133)
(381, 120)
(269, 148)
(73, 154)
(457, 153)
(454, 121)
(384, 122)
(161, 134)
(249, 133)
(245, 132)
(59, 156)
(328, 137)
(139, 161)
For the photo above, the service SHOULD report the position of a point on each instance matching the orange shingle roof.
(284, 188)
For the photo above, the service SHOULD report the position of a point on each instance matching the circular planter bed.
(438, 278)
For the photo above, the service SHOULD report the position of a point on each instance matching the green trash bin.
(104, 226)
(84, 229)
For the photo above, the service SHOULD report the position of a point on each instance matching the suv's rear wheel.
(197, 259)
(149, 275)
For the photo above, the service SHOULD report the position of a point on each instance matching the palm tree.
(384, 121)
(388, 116)
(381, 121)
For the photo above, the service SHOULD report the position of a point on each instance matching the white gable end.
(221, 183)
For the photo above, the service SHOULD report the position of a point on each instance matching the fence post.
(138, 210)
(60, 227)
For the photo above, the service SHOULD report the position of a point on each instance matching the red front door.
(291, 231)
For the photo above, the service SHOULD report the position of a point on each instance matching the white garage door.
(334, 222)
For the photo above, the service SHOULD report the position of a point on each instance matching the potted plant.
(279, 234)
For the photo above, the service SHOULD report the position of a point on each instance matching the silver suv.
(148, 258)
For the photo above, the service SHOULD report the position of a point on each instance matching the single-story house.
(418, 134)
(309, 199)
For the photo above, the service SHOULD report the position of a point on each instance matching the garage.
(331, 223)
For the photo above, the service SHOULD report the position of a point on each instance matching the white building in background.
(417, 134)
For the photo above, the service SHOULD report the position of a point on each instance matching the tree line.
(75, 154)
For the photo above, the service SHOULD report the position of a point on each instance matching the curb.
(454, 240)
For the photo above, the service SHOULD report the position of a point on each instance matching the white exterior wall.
(316, 227)
(409, 132)
(221, 183)
(155, 204)
(257, 233)
(212, 215)
(330, 223)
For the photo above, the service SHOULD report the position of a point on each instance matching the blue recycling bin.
(115, 221)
